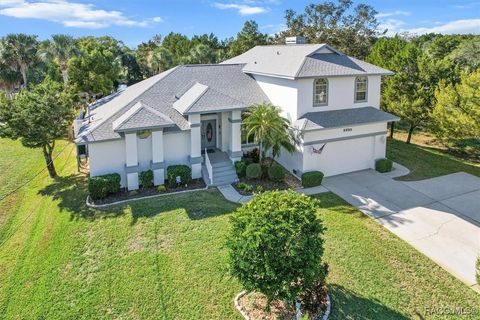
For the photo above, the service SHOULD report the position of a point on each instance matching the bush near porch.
(272, 176)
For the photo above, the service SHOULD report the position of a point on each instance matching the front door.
(209, 134)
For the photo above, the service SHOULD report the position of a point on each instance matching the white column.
(131, 157)
(225, 131)
(158, 166)
(236, 135)
(195, 146)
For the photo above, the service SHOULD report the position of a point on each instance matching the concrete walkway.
(440, 217)
(229, 192)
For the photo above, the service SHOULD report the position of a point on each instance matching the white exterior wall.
(177, 148)
(341, 94)
(144, 150)
(108, 157)
(282, 93)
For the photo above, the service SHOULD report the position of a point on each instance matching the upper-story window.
(361, 86)
(320, 92)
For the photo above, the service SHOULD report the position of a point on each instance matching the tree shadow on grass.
(347, 304)
(71, 192)
(331, 201)
(198, 205)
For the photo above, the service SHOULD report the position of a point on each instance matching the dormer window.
(361, 86)
(320, 92)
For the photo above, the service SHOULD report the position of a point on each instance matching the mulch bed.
(123, 194)
(290, 182)
(254, 305)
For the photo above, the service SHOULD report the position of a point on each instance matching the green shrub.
(133, 193)
(260, 189)
(248, 188)
(161, 188)
(101, 186)
(281, 267)
(276, 173)
(241, 185)
(240, 167)
(312, 179)
(146, 178)
(182, 171)
(253, 171)
(383, 165)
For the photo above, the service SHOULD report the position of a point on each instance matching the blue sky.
(136, 21)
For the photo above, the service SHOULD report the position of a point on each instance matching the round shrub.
(275, 245)
(146, 178)
(253, 171)
(276, 173)
(240, 167)
(312, 179)
(383, 165)
(182, 171)
(101, 186)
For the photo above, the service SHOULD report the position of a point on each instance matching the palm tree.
(161, 59)
(8, 80)
(21, 49)
(61, 48)
(269, 129)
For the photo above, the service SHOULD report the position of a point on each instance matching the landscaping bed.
(254, 306)
(123, 194)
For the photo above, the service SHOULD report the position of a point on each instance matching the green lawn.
(164, 258)
(425, 162)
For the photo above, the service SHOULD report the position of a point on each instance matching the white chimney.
(295, 40)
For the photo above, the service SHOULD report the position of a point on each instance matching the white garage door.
(341, 156)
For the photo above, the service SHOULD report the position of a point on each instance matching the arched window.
(361, 86)
(320, 92)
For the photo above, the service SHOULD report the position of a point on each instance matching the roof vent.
(295, 40)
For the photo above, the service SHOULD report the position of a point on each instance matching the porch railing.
(208, 164)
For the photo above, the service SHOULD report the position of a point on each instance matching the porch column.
(195, 146)
(131, 156)
(158, 165)
(235, 120)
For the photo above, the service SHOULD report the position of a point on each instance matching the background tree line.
(436, 85)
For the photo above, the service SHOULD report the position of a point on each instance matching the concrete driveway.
(440, 217)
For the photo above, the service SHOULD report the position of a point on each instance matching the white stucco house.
(192, 114)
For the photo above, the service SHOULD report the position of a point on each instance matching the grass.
(427, 162)
(164, 258)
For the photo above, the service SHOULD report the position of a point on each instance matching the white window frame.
(357, 81)
(315, 103)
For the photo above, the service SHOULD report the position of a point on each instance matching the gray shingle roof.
(141, 116)
(230, 88)
(302, 61)
(343, 117)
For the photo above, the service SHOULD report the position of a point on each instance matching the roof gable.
(140, 117)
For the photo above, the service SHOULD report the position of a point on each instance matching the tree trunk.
(410, 132)
(260, 152)
(23, 70)
(65, 77)
(392, 129)
(47, 153)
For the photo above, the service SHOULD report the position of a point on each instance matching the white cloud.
(70, 14)
(393, 13)
(452, 27)
(242, 9)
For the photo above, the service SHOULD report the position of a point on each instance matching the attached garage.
(337, 157)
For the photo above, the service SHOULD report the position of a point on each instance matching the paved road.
(440, 217)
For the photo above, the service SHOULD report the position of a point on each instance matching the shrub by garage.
(312, 179)
(276, 173)
(182, 171)
(100, 187)
(254, 171)
(383, 165)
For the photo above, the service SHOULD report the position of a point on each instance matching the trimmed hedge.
(312, 179)
(146, 178)
(383, 165)
(101, 186)
(182, 171)
(240, 168)
(253, 171)
(276, 173)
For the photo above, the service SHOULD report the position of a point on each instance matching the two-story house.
(192, 114)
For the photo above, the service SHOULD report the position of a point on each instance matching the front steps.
(223, 173)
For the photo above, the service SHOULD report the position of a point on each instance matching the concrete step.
(222, 164)
(218, 170)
